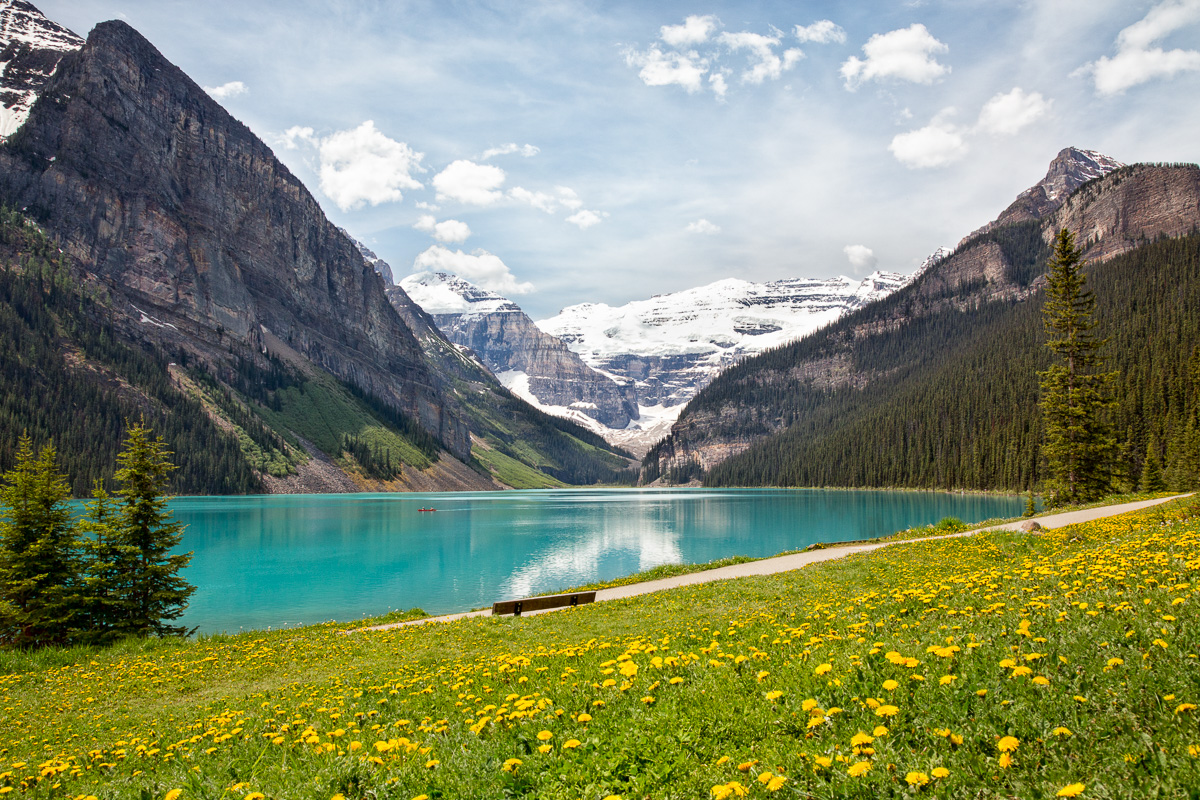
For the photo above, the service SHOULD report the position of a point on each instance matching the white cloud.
(1137, 61)
(294, 136)
(694, 30)
(937, 144)
(470, 183)
(1006, 114)
(562, 197)
(906, 54)
(669, 69)
(427, 206)
(480, 268)
(526, 150)
(227, 90)
(862, 258)
(586, 219)
(450, 230)
(702, 226)
(568, 198)
(764, 63)
(821, 32)
(362, 165)
(719, 87)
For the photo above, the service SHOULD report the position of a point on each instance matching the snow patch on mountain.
(31, 47)
(446, 293)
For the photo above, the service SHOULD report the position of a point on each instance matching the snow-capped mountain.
(380, 266)
(31, 48)
(672, 345)
(531, 363)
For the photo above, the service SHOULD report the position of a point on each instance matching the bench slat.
(517, 607)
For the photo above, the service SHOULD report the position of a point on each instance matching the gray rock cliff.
(198, 227)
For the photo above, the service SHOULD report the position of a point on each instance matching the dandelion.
(774, 695)
(545, 748)
(860, 739)
(880, 730)
(1008, 744)
(1005, 761)
(510, 765)
(917, 779)
(1070, 790)
(890, 685)
(823, 669)
(1182, 707)
(946, 680)
(173, 794)
(584, 717)
(545, 736)
(859, 769)
(1061, 731)
(886, 711)
(940, 772)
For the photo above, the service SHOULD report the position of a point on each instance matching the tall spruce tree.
(1078, 447)
(39, 568)
(145, 534)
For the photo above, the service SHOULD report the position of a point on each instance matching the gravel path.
(770, 566)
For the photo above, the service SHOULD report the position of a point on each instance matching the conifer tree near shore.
(106, 575)
(1078, 447)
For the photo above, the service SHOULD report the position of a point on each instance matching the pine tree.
(103, 594)
(1152, 474)
(38, 551)
(145, 534)
(1078, 447)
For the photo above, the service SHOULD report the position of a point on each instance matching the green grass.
(513, 473)
(1078, 648)
(323, 412)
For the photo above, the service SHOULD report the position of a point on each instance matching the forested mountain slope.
(936, 385)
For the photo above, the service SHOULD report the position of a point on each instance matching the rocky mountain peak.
(446, 293)
(1069, 170)
(31, 47)
(378, 264)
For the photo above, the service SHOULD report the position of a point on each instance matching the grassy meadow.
(1059, 664)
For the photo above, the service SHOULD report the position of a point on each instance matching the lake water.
(273, 561)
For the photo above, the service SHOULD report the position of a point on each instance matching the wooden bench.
(516, 607)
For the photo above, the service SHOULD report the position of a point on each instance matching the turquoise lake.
(275, 561)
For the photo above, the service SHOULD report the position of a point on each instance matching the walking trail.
(770, 566)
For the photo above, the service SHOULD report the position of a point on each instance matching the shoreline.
(794, 561)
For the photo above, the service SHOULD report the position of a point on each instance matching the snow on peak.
(728, 319)
(446, 293)
(31, 47)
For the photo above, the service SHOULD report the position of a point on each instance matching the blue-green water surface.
(273, 561)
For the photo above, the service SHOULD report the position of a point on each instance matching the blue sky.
(566, 152)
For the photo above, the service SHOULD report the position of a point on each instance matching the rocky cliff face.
(31, 48)
(1137, 203)
(529, 362)
(208, 241)
(1111, 213)
(1069, 170)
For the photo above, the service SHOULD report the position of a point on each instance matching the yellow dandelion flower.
(1182, 707)
(880, 730)
(1008, 744)
(1060, 731)
(571, 744)
(676, 680)
(1005, 761)
(859, 769)
(545, 736)
(823, 669)
(859, 739)
(585, 717)
(173, 794)
(890, 685)
(545, 748)
(886, 711)
(774, 695)
(1070, 790)
(511, 765)
(746, 765)
(940, 772)
(916, 779)
(946, 680)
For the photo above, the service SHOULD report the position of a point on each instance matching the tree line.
(106, 575)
